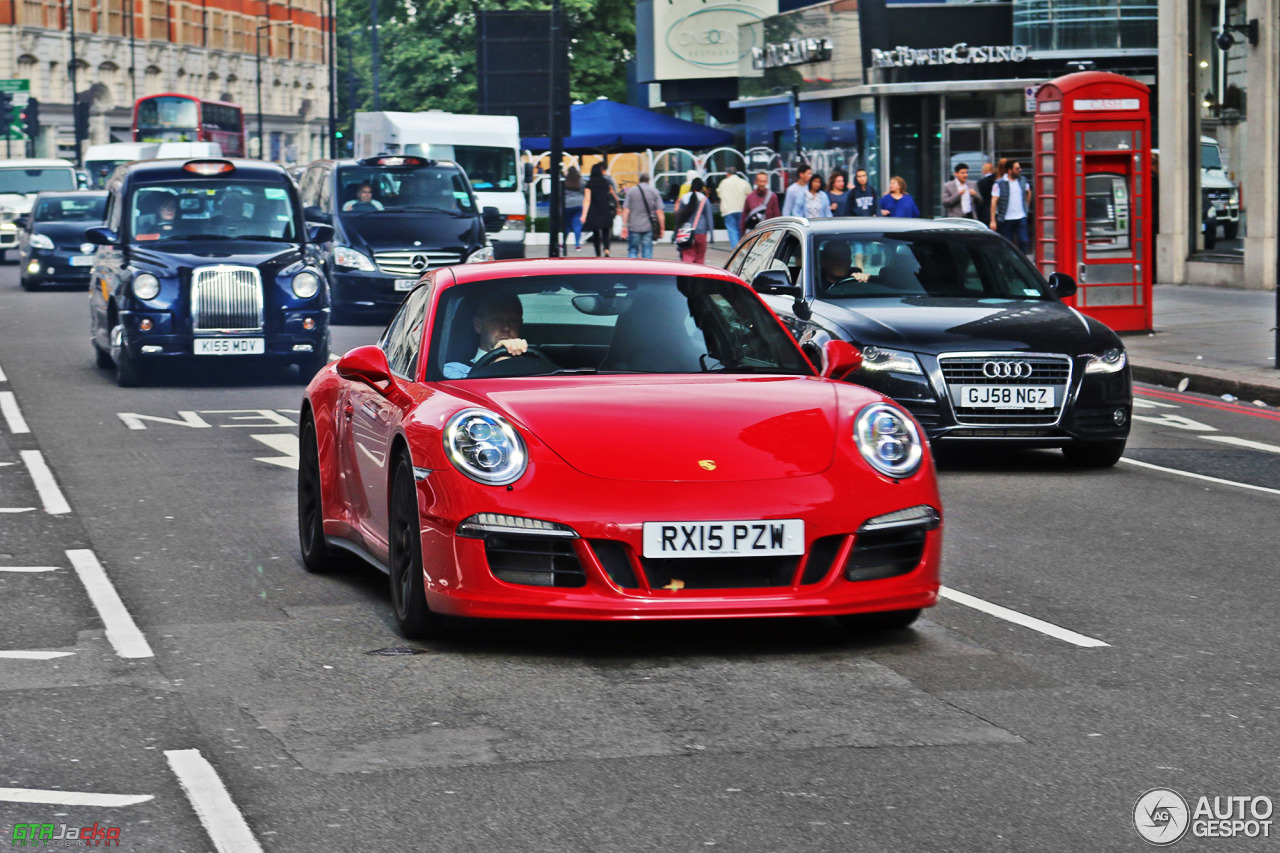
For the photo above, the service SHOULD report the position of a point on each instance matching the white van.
(486, 147)
(101, 160)
(20, 180)
(188, 150)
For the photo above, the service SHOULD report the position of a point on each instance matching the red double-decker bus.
(184, 118)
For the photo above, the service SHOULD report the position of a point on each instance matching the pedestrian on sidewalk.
(862, 199)
(817, 204)
(642, 218)
(793, 202)
(693, 218)
(572, 191)
(838, 192)
(1011, 200)
(733, 192)
(984, 191)
(959, 196)
(762, 204)
(599, 202)
(896, 202)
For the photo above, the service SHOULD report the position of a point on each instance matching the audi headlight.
(484, 253)
(1110, 361)
(146, 286)
(306, 284)
(40, 241)
(345, 256)
(890, 360)
(888, 440)
(485, 447)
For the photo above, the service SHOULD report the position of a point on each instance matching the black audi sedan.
(955, 324)
(202, 261)
(393, 218)
(51, 244)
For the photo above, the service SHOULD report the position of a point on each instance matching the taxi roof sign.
(209, 167)
(396, 160)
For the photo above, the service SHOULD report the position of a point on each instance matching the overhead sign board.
(15, 84)
(700, 38)
(797, 51)
(958, 54)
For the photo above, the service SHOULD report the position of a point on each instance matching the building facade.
(213, 49)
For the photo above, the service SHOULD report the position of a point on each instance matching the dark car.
(955, 324)
(51, 244)
(206, 259)
(393, 219)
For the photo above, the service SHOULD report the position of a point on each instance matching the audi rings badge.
(1006, 370)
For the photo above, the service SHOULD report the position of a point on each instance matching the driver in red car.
(497, 321)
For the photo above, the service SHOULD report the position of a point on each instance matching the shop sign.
(695, 38)
(797, 51)
(1107, 104)
(960, 53)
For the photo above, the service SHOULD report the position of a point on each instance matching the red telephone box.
(1093, 189)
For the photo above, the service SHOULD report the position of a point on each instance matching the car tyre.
(101, 357)
(1230, 229)
(1097, 454)
(129, 373)
(317, 557)
(887, 620)
(408, 591)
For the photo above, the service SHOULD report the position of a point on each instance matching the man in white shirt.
(959, 196)
(497, 321)
(733, 192)
(1010, 201)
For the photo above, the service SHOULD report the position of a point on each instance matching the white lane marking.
(122, 631)
(1199, 476)
(34, 655)
(71, 798)
(1022, 619)
(1243, 442)
(283, 443)
(1176, 421)
(222, 820)
(3, 378)
(46, 485)
(28, 568)
(13, 414)
(17, 509)
(1152, 404)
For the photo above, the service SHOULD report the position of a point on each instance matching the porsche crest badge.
(707, 464)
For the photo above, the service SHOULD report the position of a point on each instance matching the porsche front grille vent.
(533, 560)
(885, 553)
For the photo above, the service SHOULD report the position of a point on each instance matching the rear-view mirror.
(366, 364)
(493, 219)
(1062, 285)
(315, 214)
(101, 235)
(318, 232)
(775, 283)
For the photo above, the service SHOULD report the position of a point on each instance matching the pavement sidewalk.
(1221, 340)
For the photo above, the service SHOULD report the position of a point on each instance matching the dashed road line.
(1055, 631)
(17, 509)
(1204, 477)
(13, 413)
(34, 655)
(28, 568)
(221, 817)
(1243, 442)
(46, 485)
(122, 631)
(71, 798)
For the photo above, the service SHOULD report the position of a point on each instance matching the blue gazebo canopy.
(604, 125)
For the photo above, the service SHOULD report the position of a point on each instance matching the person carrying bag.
(691, 236)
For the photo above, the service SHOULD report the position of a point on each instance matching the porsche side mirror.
(775, 283)
(318, 232)
(366, 364)
(1062, 285)
(839, 359)
(101, 235)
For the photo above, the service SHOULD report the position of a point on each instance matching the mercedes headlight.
(890, 361)
(1235, 196)
(888, 440)
(306, 284)
(485, 447)
(40, 241)
(345, 256)
(1111, 361)
(146, 286)
(484, 253)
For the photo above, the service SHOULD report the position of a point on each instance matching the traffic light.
(82, 120)
(31, 118)
(6, 109)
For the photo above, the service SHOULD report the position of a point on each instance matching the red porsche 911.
(615, 440)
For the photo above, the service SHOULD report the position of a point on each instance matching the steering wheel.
(500, 352)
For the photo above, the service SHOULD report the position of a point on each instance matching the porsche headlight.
(146, 286)
(484, 253)
(306, 284)
(890, 360)
(1111, 360)
(345, 256)
(485, 447)
(40, 241)
(888, 440)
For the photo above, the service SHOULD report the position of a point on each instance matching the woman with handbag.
(693, 224)
(599, 204)
(572, 189)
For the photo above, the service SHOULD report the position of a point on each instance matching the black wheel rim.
(308, 491)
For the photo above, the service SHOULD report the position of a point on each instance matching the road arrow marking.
(281, 443)
(1243, 442)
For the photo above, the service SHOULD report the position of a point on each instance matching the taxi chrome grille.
(411, 264)
(1052, 370)
(226, 299)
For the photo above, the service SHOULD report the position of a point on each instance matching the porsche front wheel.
(408, 592)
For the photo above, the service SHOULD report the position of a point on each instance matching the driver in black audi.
(836, 260)
(497, 321)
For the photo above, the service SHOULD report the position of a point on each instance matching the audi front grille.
(1008, 368)
(226, 299)
(414, 263)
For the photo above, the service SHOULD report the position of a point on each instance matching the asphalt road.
(229, 701)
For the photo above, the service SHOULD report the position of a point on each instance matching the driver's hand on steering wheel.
(513, 346)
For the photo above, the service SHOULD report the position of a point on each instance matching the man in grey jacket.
(959, 197)
(642, 218)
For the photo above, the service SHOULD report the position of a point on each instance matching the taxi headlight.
(146, 286)
(306, 285)
(888, 440)
(87, 248)
(40, 241)
(484, 253)
(890, 361)
(1111, 360)
(485, 447)
(345, 256)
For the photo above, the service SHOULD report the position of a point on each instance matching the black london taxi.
(206, 259)
(51, 244)
(393, 218)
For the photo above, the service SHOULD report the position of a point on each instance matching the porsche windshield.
(946, 264)
(212, 210)
(596, 323)
(369, 189)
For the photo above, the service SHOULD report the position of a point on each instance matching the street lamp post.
(75, 133)
(257, 47)
(333, 80)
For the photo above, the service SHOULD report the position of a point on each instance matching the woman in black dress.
(598, 206)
